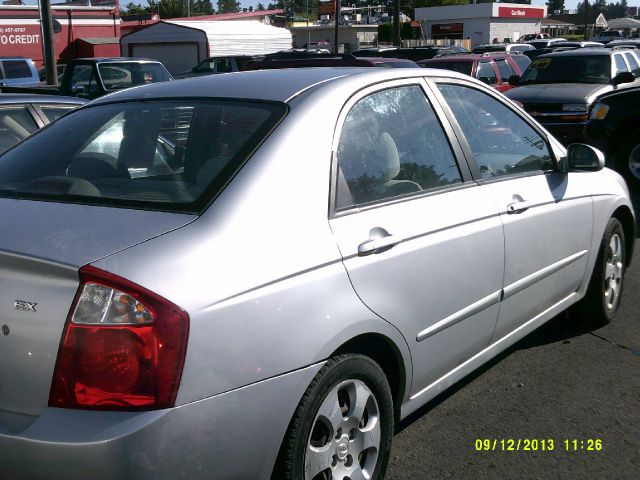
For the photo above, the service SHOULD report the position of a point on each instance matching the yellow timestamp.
(538, 444)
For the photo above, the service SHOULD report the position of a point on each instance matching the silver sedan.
(258, 274)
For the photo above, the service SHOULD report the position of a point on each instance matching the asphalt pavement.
(575, 388)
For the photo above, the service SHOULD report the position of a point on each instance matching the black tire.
(628, 155)
(346, 371)
(598, 308)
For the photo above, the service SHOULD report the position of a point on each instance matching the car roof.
(39, 98)
(279, 85)
(580, 52)
(467, 57)
(117, 59)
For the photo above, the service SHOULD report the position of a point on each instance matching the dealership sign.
(446, 28)
(17, 36)
(520, 12)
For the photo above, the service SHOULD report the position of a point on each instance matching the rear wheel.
(601, 302)
(343, 426)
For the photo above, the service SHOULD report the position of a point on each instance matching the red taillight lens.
(123, 347)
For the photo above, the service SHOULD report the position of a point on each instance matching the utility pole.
(48, 50)
(586, 18)
(188, 8)
(396, 23)
(336, 17)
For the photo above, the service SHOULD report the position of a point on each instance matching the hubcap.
(613, 272)
(634, 162)
(345, 436)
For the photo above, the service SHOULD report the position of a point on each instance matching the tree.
(553, 5)
(133, 9)
(228, 6)
(260, 7)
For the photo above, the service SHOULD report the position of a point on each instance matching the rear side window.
(16, 69)
(116, 76)
(164, 155)
(392, 144)
(16, 124)
(486, 73)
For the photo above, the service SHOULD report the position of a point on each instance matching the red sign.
(326, 7)
(520, 12)
(445, 28)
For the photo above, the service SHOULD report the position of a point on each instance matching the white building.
(482, 23)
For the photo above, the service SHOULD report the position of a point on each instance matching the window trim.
(475, 169)
(456, 149)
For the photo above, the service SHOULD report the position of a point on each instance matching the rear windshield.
(130, 74)
(162, 155)
(460, 67)
(562, 69)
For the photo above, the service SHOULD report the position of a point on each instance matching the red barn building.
(82, 28)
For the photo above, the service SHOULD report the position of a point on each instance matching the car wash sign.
(521, 12)
(11, 35)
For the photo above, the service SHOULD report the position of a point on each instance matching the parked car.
(492, 69)
(263, 300)
(18, 71)
(546, 42)
(607, 36)
(21, 115)
(502, 47)
(558, 88)
(93, 77)
(533, 36)
(42, 72)
(215, 65)
(159, 316)
(613, 126)
(414, 54)
(303, 59)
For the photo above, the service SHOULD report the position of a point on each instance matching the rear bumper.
(235, 435)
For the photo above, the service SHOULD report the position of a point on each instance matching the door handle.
(379, 241)
(518, 207)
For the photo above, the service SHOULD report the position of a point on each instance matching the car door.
(421, 242)
(547, 214)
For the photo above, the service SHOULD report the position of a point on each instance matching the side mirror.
(513, 80)
(623, 77)
(581, 157)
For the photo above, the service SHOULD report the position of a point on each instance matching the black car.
(613, 127)
(557, 89)
(21, 115)
(410, 53)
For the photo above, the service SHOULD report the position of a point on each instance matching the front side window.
(633, 63)
(392, 144)
(621, 66)
(166, 155)
(83, 80)
(502, 143)
(486, 73)
(504, 69)
(16, 124)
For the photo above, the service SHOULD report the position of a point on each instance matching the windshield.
(460, 67)
(119, 75)
(161, 155)
(561, 69)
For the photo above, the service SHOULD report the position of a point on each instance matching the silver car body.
(273, 284)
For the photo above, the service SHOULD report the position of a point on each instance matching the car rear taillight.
(123, 347)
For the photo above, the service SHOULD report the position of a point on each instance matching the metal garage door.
(177, 57)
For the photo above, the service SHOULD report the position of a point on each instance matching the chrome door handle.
(518, 207)
(381, 242)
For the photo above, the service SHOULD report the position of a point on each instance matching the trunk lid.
(42, 246)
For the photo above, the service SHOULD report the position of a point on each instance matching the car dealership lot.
(562, 382)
